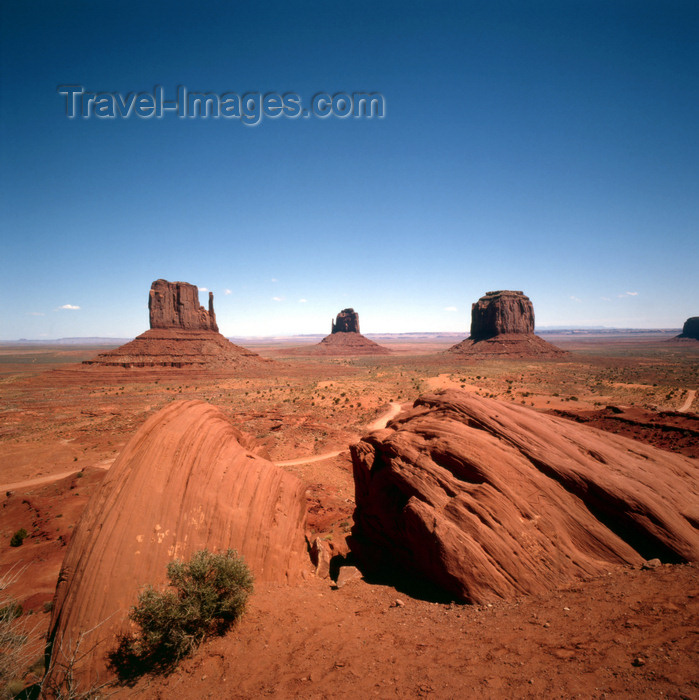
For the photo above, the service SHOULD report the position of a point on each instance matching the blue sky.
(545, 146)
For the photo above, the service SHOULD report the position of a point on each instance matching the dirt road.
(688, 401)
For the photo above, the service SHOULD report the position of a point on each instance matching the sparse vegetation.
(16, 648)
(18, 538)
(210, 593)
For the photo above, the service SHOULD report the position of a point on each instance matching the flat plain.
(631, 633)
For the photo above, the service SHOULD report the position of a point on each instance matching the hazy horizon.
(545, 147)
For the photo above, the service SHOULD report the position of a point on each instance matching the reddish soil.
(629, 634)
(669, 430)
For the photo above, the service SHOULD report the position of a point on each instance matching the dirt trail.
(377, 424)
(308, 460)
(688, 401)
(383, 419)
(105, 464)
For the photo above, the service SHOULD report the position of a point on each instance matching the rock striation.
(501, 312)
(182, 334)
(184, 482)
(690, 328)
(347, 322)
(489, 500)
(502, 323)
(176, 305)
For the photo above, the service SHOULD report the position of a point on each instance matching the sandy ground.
(633, 633)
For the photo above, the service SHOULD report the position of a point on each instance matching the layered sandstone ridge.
(173, 347)
(502, 323)
(488, 500)
(183, 482)
(176, 305)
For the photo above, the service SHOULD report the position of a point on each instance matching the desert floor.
(631, 633)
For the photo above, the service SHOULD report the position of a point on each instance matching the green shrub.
(18, 537)
(210, 593)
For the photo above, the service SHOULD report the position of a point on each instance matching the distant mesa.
(182, 334)
(344, 339)
(186, 481)
(486, 500)
(176, 305)
(690, 330)
(347, 321)
(502, 324)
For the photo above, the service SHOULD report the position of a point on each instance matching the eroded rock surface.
(488, 500)
(502, 323)
(176, 305)
(347, 321)
(182, 334)
(344, 339)
(501, 312)
(184, 482)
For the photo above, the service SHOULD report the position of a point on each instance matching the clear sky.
(545, 146)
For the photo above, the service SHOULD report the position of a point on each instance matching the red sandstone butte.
(488, 500)
(502, 324)
(182, 334)
(184, 482)
(176, 305)
(344, 339)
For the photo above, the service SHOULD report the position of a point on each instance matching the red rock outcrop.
(488, 500)
(502, 323)
(690, 328)
(184, 482)
(182, 334)
(173, 347)
(501, 312)
(344, 339)
(176, 305)
(347, 322)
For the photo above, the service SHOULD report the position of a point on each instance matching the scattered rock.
(638, 661)
(651, 564)
(321, 556)
(348, 574)
(489, 500)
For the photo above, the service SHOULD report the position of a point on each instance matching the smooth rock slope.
(184, 482)
(488, 500)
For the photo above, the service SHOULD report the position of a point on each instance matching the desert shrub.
(210, 593)
(17, 640)
(18, 537)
